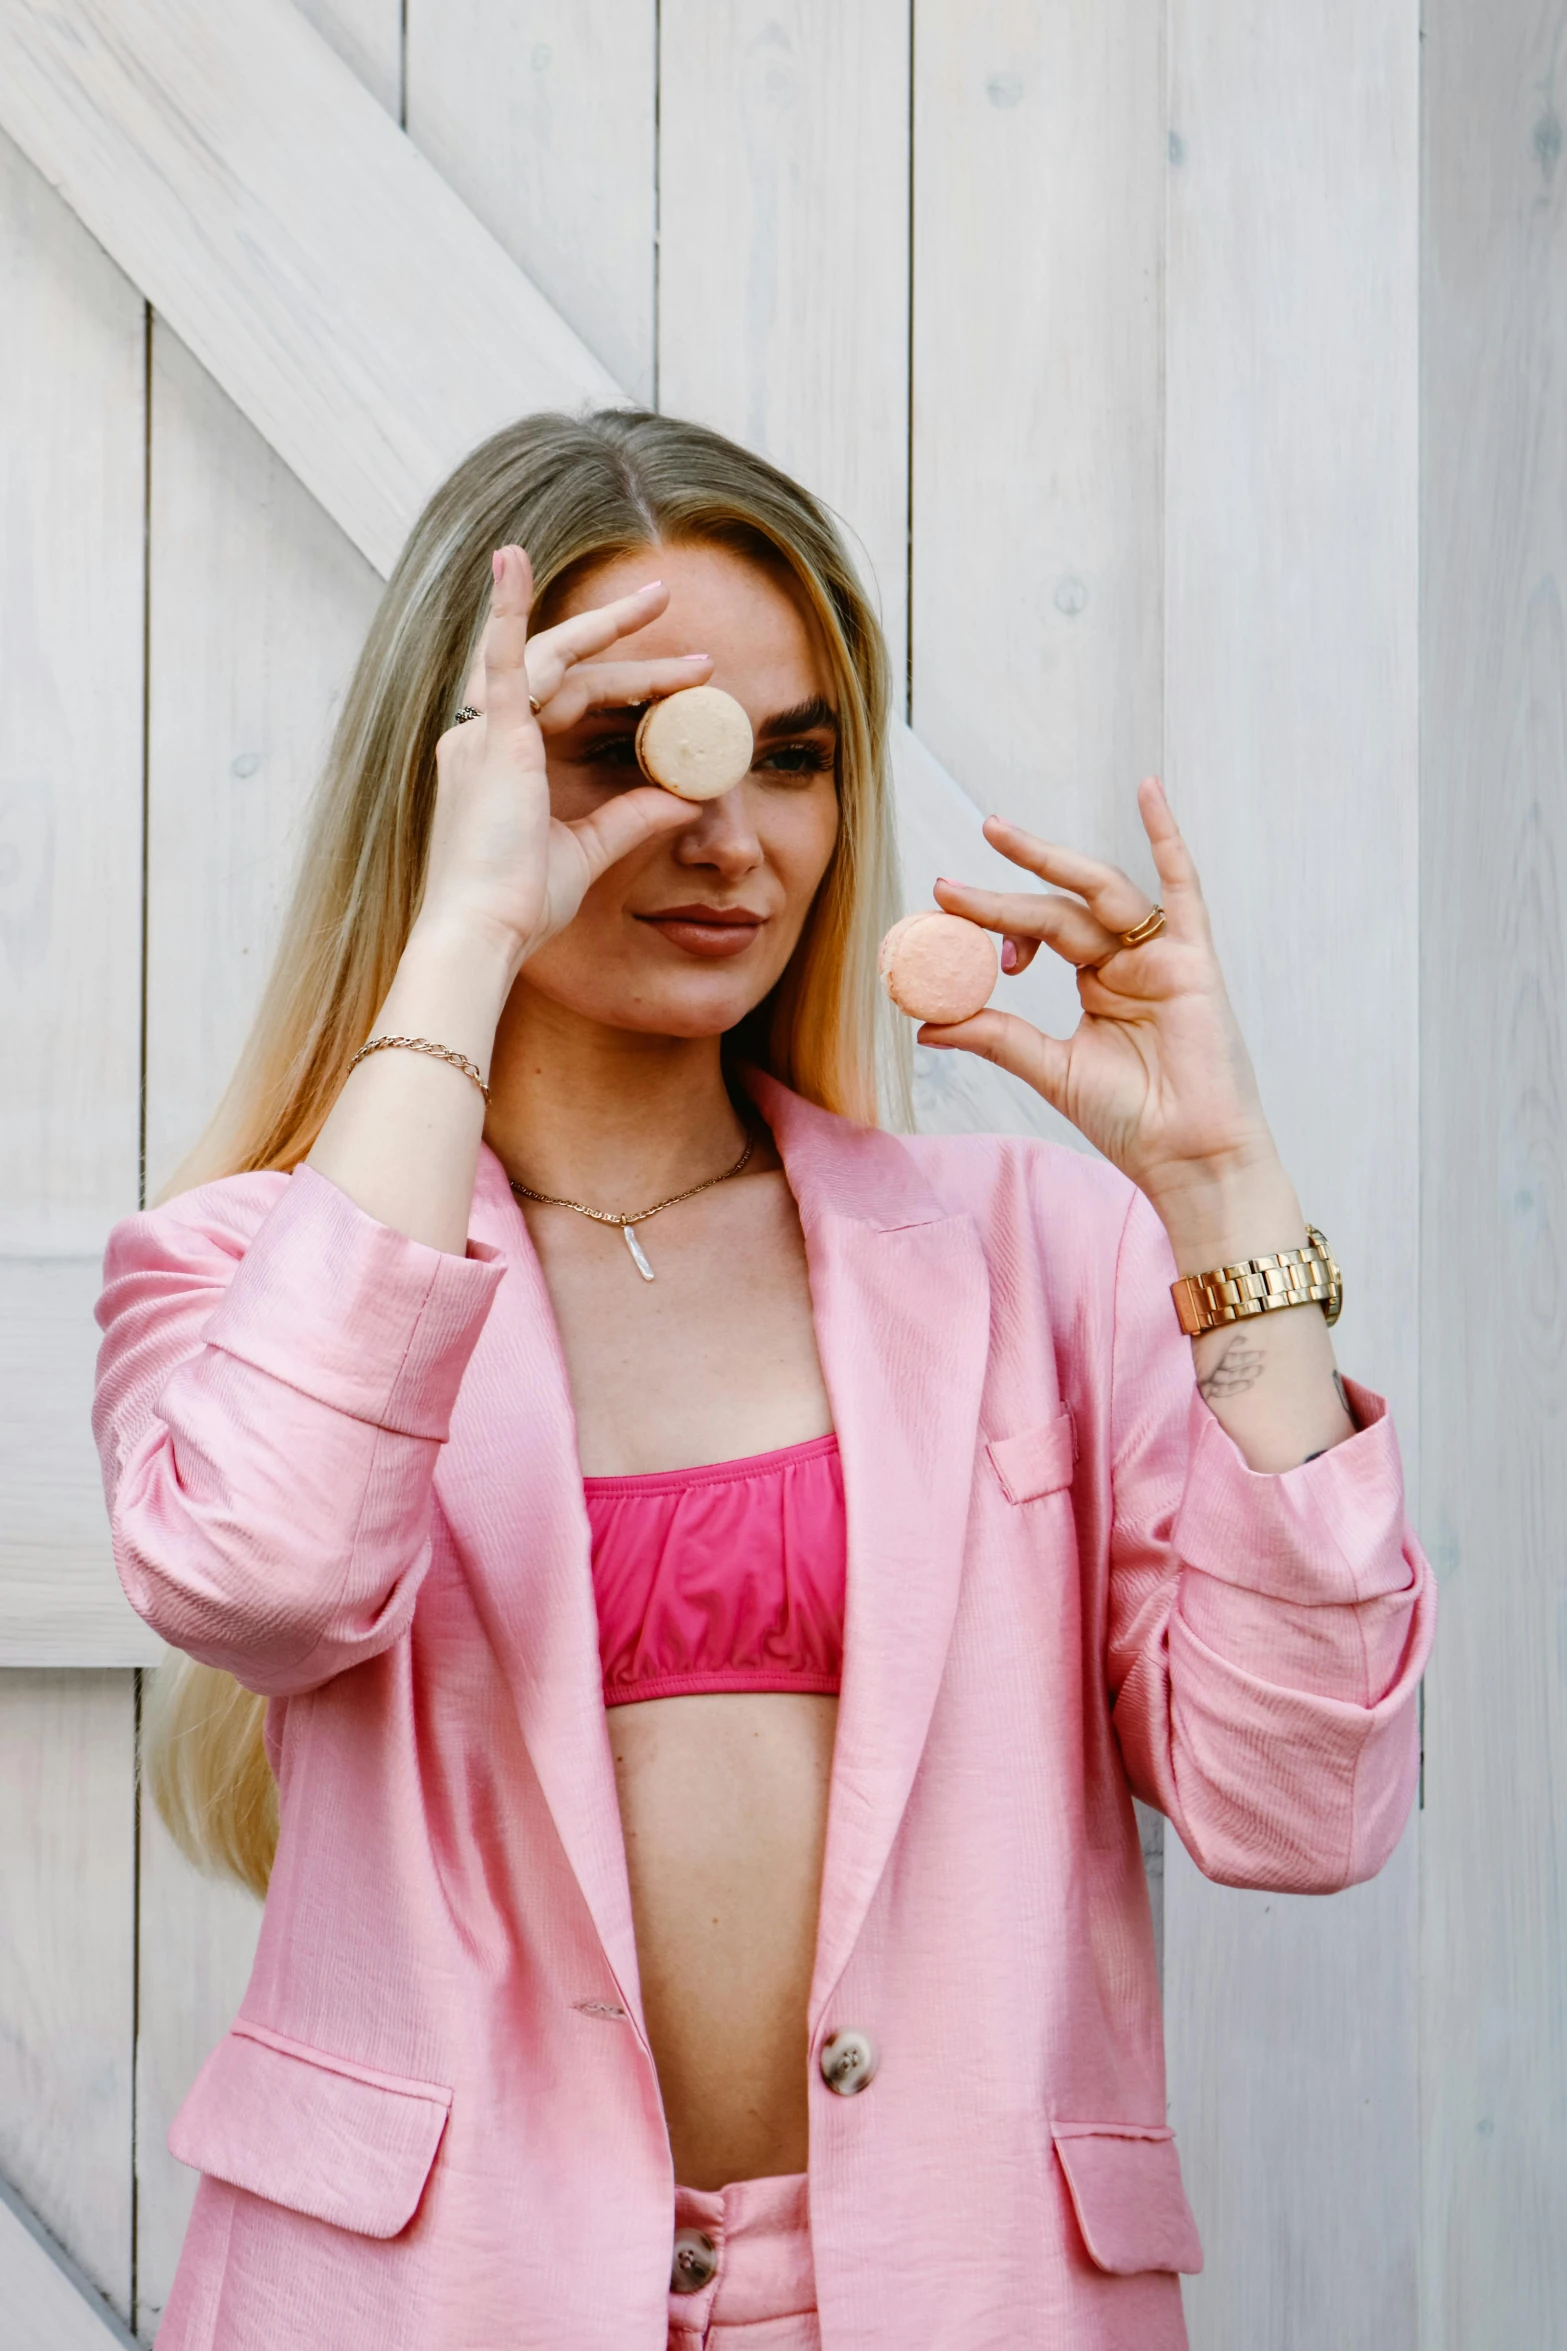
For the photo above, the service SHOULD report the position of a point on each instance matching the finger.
(506, 690)
(555, 650)
(1063, 924)
(625, 823)
(619, 685)
(1181, 890)
(1112, 896)
(1041, 1061)
(1017, 955)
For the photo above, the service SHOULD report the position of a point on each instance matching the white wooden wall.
(1117, 332)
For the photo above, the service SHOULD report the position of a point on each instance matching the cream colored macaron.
(937, 967)
(697, 743)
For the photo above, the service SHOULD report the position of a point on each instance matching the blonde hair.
(575, 492)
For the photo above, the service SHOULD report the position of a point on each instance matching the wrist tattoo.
(1239, 1367)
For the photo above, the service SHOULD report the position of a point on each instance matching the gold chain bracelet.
(423, 1045)
(1262, 1285)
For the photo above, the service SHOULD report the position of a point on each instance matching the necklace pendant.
(638, 1253)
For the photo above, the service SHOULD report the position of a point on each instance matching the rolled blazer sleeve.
(1267, 1633)
(275, 1381)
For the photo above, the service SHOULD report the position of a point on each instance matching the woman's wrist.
(457, 949)
(1223, 1215)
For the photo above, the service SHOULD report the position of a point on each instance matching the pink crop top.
(729, 1577)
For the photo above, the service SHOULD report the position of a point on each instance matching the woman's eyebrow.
(805, 718)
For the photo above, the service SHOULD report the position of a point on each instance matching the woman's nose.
(723, 835)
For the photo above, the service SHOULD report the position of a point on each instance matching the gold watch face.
(1333, 1306)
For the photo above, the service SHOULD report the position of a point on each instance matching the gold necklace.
(628, 1223)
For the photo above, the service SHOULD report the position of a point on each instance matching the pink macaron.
(937, 967)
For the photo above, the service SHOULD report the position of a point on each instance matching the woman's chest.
(712, 1359)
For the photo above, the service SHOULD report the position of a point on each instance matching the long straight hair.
(575, 492)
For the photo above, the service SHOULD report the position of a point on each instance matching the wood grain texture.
(541, 115)
(1291, 710)
(49, 2304)
(198, 1939)
(258, 608)
(71, 503)
(1494, 1136)
(1038, 232)
(783, 254)
(368, 36)
(299, 245)
(71, 432)
(67, 1861)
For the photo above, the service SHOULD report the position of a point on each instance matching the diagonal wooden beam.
(293, 237)
(49, 2304)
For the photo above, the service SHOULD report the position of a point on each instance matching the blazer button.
(696, 2258)
(848, 2062)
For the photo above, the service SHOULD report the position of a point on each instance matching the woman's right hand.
(500, 865)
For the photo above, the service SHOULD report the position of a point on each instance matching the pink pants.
(761, 2295)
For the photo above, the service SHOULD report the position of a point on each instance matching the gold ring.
(1149, 928)
(534, 704)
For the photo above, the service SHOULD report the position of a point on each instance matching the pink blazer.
(344, 1466)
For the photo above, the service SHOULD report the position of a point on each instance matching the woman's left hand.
(1156, 1074)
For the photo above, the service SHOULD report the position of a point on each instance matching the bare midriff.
(723, 1803)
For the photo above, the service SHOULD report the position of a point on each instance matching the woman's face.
(686, 935)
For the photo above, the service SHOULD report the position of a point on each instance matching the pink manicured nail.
(696, 657)
(498, 564)
(1008, 956)
(647, 588)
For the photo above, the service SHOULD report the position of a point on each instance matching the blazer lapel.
(901, 1299)
(517, 1508)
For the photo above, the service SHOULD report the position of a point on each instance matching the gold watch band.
(1295, 1277)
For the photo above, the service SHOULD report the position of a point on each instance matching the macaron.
(937, 967)
(697, 743)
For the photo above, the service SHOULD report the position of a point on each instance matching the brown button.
(848, 2062)
(694, 2264)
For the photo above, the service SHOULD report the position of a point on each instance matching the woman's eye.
(616, 751)
(798, 759)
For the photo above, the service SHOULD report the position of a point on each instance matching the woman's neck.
(606, 1116)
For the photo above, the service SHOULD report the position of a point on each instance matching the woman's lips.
(712, 933)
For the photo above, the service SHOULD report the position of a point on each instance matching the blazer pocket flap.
(312, 2131)
(1038, 1462)
(1125, 2183)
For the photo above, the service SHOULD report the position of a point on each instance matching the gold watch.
(1295, 1277)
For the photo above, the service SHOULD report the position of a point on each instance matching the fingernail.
(696, 657)
(1008, 956)
(498, 564)
(648, 586)
(942, 882)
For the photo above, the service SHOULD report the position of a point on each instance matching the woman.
(616, 1975)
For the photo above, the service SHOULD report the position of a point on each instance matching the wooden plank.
(299, 245)
(72, 425)
(71, 495)
(49, 2304)
(541, 115)
(258, 608)
(1039, 213)
(67, 1960)
(1494, 1135)
(368, 36)
(783, 249)
(1291, 709)
(198, 1939)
